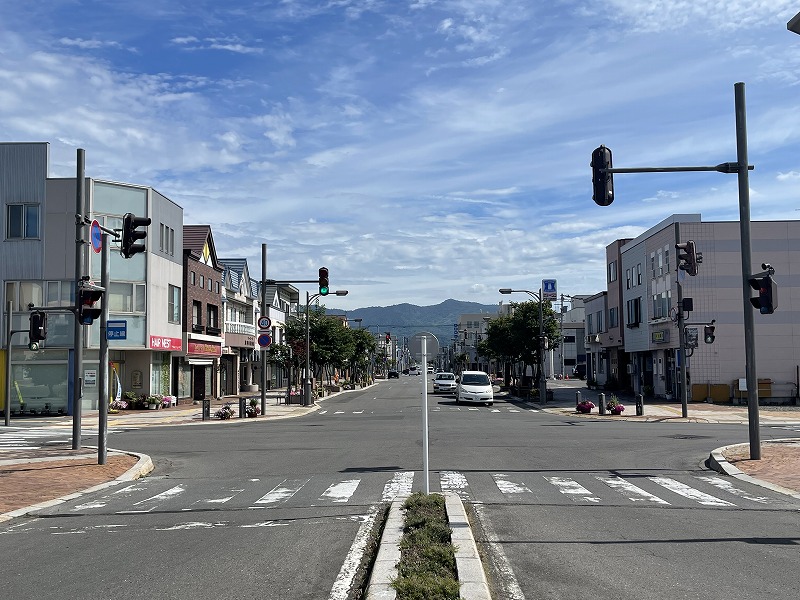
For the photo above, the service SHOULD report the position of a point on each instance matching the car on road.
(394, 375)
(579, 371)
(474, 386)
(444, 382)
(414, 370)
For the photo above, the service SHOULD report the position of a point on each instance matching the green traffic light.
(323, 291)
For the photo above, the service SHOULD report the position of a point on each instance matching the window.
(628, 281)
(600, 321)
(612, 271)
(202, 281)
(22, 293)
(174, 305)
(634, 312)
(209, 284)
(216, 283)
(22, 222)
(639, 274)
(162, 238)
(660, 263)
(126, 297)
(212, 321)
(193, 278)
(589, 327)
(197, 308)
(653, 265)
(569, 339)
(666, 259)
(613, 317)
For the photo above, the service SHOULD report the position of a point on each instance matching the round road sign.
(264, 340)
(264, 322)
(97, 237)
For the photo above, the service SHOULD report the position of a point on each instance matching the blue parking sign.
(549, 289)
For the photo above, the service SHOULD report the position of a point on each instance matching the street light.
(542, 380)
(307, 386)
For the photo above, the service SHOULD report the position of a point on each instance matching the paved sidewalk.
(30, 477)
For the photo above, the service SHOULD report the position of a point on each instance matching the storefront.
(195, 373)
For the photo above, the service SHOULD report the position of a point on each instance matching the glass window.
(116, 199)
(140, 298)
(628, 280)
(172, 242)
(193, 278)
(612, 271)
(639, 274)
(613, 317)
(202, 281)
(120, 297)
(174, 305)
(30, 292)
(212, 316)
(209, 284)
(22, 221)
(196, 308)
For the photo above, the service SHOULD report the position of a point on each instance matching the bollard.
(206, 408)
(577, 398)
(639, 405)
(242, 409)
(601, 403)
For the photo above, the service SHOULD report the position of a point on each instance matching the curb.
(471, 576)
(140, 469)
(718, 462)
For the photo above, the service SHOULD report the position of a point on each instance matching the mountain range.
(405, 320)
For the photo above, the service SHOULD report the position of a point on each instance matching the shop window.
(22, 221)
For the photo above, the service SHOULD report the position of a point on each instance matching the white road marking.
(572, 488)
(495, 410)
(174, 491)
(344, 580)
(89, 505)
(689, 492)
(507, 580)
(322, 412)
(453, 481)
(222, 500)
(191, 525)
(630, 491)
(342, 491)
(399, 486)
(509, 487)
(266, 524)
(283, 491)
(727, 486)
(339, 412)
(358, 412)
(512, 410)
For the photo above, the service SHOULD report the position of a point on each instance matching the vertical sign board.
(549, 291)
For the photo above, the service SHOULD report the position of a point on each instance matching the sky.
(420, 149)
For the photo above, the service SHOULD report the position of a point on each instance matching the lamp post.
(542, 380)
(307, 386)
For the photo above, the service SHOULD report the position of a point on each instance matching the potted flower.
(224, 413)
(154, 401)
(614, 406)
(117, 405)
(254, 409)
(585, 406)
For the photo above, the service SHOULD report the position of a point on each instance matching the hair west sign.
(168, 344)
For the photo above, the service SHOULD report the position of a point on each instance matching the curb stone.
(718, 462)
(471, 576)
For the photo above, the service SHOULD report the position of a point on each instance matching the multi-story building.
(196, 369)
(649, 306)
(240, 306)
(37, 266)
(472, 329)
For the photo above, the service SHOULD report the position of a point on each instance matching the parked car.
(474, 386)
(579, 371)
(413, 370)
(394, 375)
(405, 371)
(444, 382)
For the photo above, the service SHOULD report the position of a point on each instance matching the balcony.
(240, 328)
(197, 328)
(213, 330)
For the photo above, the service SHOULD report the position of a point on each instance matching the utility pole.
(77, 348)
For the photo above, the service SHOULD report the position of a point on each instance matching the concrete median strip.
(471, 576)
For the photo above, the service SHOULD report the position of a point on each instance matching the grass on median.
(427, 567)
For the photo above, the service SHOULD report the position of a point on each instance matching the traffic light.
(38, 329)
(131, 233)
(88, 295)
(388, 338)
(688, 257)
(708, 334)
(602, 181)
(324, 288)
(767, 300)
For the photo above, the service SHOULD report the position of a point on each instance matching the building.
(240, 307)
(37, 266)
(196, 369)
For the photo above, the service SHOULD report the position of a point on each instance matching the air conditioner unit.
(596, 338)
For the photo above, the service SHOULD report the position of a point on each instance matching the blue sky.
(420, 149)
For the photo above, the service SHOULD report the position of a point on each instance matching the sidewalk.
(30, 479)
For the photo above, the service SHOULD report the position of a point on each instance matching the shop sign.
(204, 349)
(660, 337)
(169, 344)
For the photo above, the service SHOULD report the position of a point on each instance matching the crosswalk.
(162, 495)
(34, 438)
(433, 409)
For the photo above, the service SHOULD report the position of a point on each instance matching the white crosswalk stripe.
(160, 495)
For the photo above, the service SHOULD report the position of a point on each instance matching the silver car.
(474, 386)
(444, 382)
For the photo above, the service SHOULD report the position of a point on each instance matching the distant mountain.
(407, 319)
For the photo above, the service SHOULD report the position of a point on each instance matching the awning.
(207, 362)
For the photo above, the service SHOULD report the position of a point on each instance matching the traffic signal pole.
(102, 368)
(77, 347)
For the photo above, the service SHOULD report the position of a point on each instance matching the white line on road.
(726, 485)
(509, 487)
(507, 581)
(573, 488)
(689, 492)
(283, 491)
(344, 580)
(341, 492)
(630, 491)
(399, 486)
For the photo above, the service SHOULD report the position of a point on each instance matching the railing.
(239, 327)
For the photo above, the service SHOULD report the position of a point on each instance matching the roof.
(195, 240)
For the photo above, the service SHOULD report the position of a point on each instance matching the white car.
(444, 382)
(474, 386)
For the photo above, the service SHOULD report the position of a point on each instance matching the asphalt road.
(563, 508)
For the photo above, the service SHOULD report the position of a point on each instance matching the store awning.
(200, 361)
